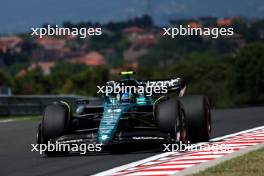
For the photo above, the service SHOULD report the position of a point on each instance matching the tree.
(6, 79)
(248, 74)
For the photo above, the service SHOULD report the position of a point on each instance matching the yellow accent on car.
(68, 107)
(127, 73)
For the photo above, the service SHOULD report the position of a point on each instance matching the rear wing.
(156, 87)
(174, 85)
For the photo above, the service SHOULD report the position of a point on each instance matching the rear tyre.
(198, 115)
(170, 118)
(54, 124)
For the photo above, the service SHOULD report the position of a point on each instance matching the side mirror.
(82, 102)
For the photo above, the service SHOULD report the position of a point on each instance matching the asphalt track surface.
(16, 157)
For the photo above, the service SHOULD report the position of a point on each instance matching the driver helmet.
(126, 98)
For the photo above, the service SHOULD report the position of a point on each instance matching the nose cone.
(108, 125)
(103, 139)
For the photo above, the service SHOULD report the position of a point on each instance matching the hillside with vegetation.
(229, 69)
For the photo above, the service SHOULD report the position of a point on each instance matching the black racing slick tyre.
(198, 115)
(54, 122)
(170, 118)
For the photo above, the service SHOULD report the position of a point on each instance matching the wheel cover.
(208, 120)
(181, 133)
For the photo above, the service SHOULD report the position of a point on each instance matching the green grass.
(250, 164)
(20, 118)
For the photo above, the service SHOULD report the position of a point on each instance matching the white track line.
(6, 121)
(155, 157)
(235, 134)
(133, 164)
(151, 173)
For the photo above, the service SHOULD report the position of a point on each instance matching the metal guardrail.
(33, 104)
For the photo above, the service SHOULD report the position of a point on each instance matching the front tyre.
(54, 124)
(170, 118)
(198, 115)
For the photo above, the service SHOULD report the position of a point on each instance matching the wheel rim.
(184, 136)
(208, 120)
(177, 131)
(181, 135)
